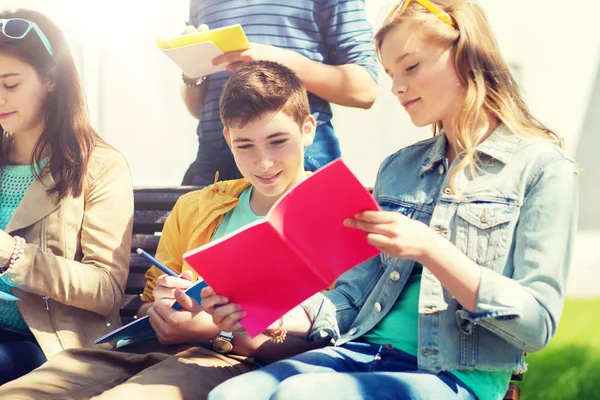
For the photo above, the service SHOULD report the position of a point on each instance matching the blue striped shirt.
(333, 32)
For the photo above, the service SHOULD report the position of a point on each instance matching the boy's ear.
(227, 137)
(309, 127)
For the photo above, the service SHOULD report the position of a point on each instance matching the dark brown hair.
(260, 87)
(67, 133)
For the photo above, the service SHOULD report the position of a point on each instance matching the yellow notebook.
(194, 53)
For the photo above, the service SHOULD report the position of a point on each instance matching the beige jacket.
(74, 270)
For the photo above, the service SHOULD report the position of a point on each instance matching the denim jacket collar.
(500, 145)
(436, 154)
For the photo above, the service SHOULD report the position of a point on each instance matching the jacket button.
(377, 307)
(448, 191)
(484, 218)
(441, 170)
(352, 331)
(394, 276)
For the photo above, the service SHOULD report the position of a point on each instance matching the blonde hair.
(485, 75)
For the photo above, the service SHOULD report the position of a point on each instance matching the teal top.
(241, 215)
(16, 179)
(400, 329)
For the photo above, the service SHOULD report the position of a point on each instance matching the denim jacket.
(515, 218)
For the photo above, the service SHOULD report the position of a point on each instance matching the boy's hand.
(190, 29)
(166, 285)
(257, 51)
(175, 327)
(394, 234)
(225, 315)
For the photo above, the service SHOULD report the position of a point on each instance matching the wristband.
(17, 252)
(192, 82)
(277, 335)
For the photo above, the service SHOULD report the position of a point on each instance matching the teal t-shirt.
(400, 328)
(16, 179)
(241, 215)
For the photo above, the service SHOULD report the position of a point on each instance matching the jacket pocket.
(483, 230)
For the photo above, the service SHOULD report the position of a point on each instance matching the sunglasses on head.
(18, 28)
(399, 9)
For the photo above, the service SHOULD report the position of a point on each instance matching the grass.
(569, 368)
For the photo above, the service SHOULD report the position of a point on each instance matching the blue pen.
(157, 263)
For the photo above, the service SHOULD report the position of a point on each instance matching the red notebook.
(299, 249)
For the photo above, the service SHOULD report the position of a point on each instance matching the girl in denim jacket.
(476, 234)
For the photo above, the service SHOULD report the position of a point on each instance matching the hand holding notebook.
(194, 52)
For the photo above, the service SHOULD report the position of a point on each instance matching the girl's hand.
(394, 234)
(225, 315)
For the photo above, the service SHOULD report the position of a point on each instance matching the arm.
(96, 283)
(348, 75)
(347, 85)
(193, 97)
(264, 351)
(226, 317)
(525, 309)
(349, 39)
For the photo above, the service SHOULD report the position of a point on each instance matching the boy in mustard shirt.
(264, 108)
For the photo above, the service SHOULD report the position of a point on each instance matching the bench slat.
(131, 304)
(135, 283)
(145, 217)
(147, 242)
(136, 262)
(159, 198)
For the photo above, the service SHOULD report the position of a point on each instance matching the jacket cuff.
(321, 312)
(497, 298)
(20, 272)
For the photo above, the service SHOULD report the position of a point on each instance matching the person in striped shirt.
(327, 43)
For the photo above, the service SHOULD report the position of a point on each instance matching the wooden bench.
(152, 206)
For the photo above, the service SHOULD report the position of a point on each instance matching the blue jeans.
(325, 148)
(19, 354)
(353, 371)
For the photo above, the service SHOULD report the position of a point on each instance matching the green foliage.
(569, 368)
